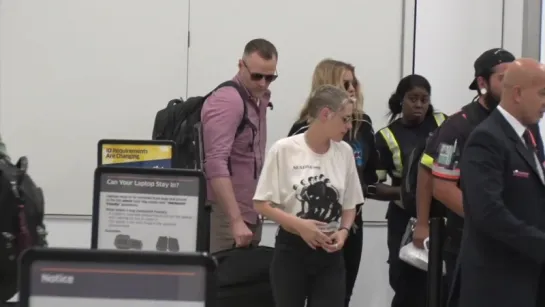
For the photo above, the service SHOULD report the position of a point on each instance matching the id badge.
(447, 156)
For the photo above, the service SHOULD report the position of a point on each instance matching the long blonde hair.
(330, 72)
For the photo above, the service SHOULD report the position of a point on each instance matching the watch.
(345, 228)
(371, 190)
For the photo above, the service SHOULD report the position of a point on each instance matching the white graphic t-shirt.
(310, 185)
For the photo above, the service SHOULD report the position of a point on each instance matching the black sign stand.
(74, 262)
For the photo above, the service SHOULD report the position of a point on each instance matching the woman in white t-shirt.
(309, 185)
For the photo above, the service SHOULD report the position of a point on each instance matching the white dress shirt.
(542, 129)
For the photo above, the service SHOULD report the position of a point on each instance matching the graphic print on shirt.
(357, 147)
(319, 200)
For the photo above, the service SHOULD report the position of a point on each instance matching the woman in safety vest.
(412, 120)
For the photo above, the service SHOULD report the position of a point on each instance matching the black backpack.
(180, 122)
(21, 220)
(409, 174)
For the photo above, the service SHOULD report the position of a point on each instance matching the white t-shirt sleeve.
(353, 194)
(268, 188)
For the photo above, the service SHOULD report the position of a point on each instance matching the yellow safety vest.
(393, 146)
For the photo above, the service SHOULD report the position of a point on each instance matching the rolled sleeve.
(430, 151)
(220, 116)
(427, 160)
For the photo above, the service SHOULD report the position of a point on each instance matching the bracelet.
(371, 190)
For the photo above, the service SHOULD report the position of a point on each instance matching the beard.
(491, 101)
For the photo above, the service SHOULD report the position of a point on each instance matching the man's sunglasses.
(257, 76)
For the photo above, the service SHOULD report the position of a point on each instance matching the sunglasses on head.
(258, 77)
(347, 84)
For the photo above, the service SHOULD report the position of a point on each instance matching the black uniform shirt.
(394, 144)
(405, 138)
(443, 154)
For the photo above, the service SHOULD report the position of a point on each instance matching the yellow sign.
(137, 155)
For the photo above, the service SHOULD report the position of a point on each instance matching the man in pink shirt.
(233, 164)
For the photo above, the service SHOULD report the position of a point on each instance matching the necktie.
(530, 140)
(531, 144)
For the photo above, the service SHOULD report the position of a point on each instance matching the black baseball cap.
(487, 61)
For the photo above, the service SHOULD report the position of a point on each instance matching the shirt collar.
(515, 123)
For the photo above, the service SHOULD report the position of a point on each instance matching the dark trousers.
(352, 257)
(540, 300)
(408, 282)
(300, 273)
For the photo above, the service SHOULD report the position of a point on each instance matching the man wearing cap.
(444, 149)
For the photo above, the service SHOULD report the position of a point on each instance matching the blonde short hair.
(326, 96)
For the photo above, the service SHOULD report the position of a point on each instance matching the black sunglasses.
(347, 84)
(257, 76)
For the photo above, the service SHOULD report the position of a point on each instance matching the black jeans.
(352, 257)
(408, 282)
(300, 273)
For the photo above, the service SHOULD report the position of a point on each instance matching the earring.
(482, 91)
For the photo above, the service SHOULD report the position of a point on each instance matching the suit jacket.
(503, 245)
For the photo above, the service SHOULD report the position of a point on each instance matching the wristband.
(371, 190)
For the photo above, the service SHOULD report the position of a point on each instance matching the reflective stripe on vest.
(393, 146)
(439, 118)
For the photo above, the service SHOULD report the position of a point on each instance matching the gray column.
(531, 31)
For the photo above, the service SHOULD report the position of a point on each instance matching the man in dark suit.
(503, 247)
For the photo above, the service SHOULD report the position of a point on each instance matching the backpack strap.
(245, 97)
(15, 174)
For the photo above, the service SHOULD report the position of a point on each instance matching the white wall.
(450, 35)
(102, 71)
(76, 71)
(542, 36)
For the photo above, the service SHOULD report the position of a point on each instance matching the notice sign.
(150, 210)
(136, 153)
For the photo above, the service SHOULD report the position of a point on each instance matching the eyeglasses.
(347, 84)
(258, 77)
(347, 119)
